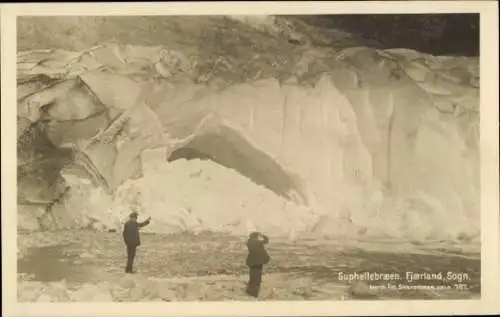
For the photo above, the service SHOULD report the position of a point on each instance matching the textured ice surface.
(355, 141)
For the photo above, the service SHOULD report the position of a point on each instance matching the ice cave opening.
(228, 148)
(40, 163)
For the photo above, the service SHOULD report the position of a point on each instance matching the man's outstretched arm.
(144, 223)
(266, 239)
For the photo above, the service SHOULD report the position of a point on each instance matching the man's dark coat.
(131, 232)
(257, 254)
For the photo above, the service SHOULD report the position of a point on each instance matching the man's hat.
(133, 215)
(254, 235)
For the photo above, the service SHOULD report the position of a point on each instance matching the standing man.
(132, 238)
(256, 259)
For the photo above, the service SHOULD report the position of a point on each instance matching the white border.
(490, 221)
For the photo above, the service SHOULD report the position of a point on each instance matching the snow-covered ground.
(88, 266)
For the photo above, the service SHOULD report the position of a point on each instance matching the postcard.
(250, 159)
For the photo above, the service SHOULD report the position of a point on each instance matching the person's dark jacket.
(257, 254)
(131, 232)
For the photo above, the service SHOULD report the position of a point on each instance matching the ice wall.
(381, 143)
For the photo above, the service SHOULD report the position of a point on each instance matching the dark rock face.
(435, 34)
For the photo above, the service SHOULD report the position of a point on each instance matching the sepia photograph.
(269, 157)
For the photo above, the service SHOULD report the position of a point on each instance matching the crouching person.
(132, 239)
(256, 259)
